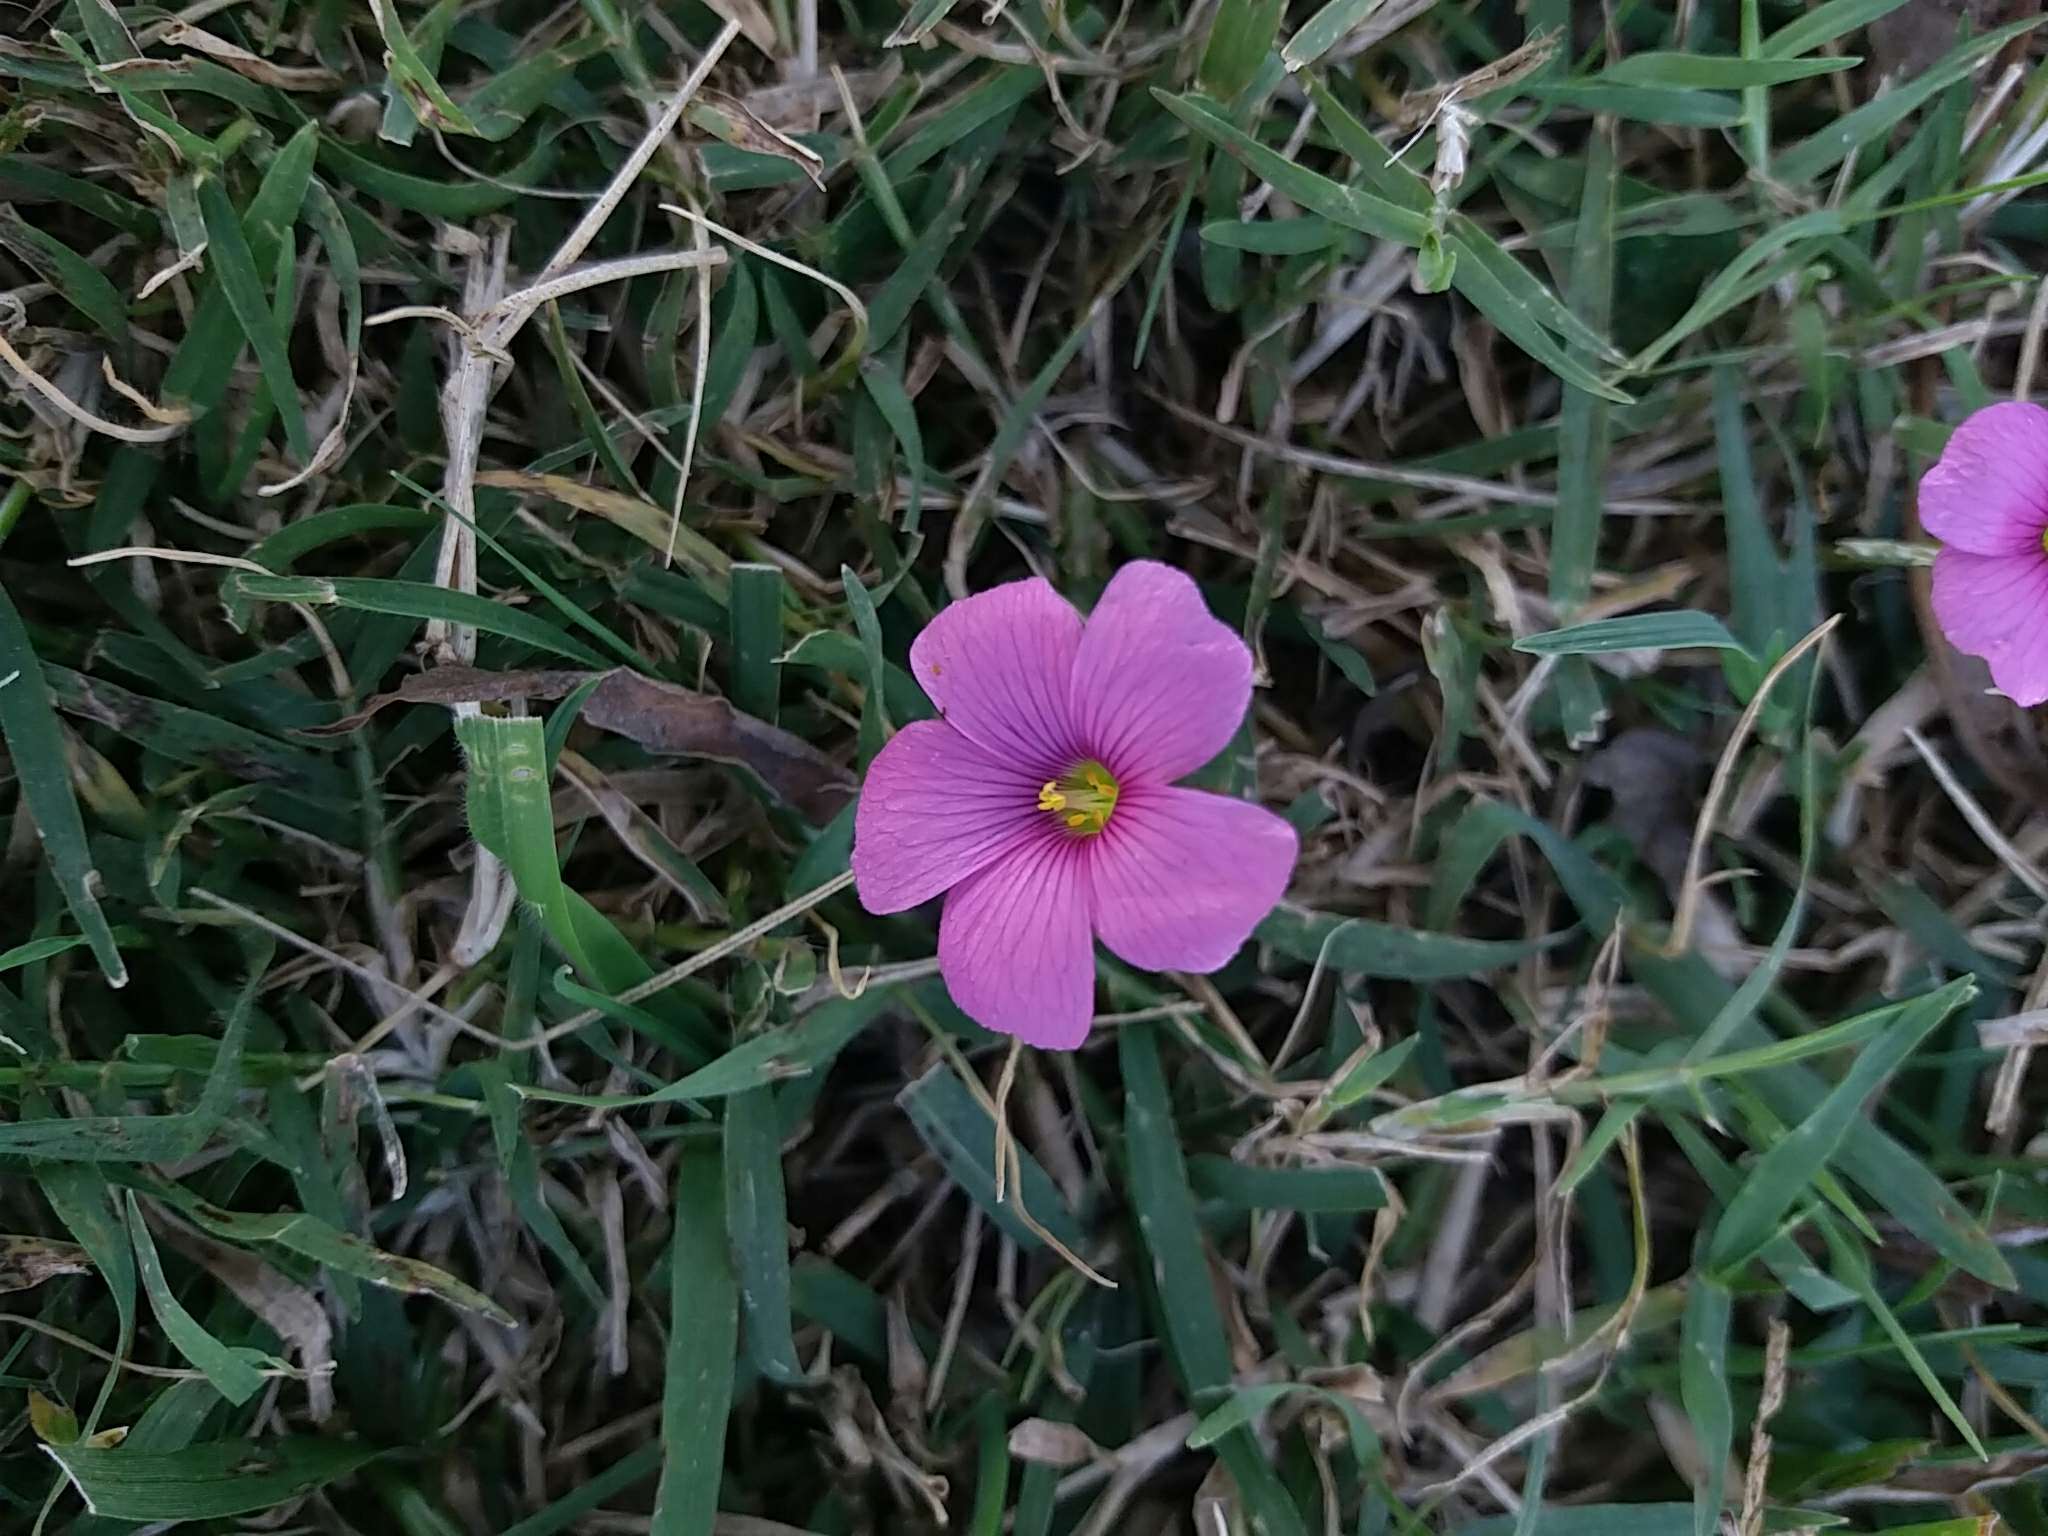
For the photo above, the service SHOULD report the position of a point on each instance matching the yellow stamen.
(1087, 795)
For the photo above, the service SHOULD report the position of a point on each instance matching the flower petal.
(1179, 877)
(935, 808)
(1160, 685)
(1014, 946)
(1988, 493)
(996, 665)
(1995, 606)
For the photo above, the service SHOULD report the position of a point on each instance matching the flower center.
(1083, 799)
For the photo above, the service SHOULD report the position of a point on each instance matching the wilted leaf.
(250, 65)
(731, 121)
(53, 1423)
(662, 717)
(1052, 1445)
(26, 1262)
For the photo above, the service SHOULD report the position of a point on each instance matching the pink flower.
(1043, 801)
(1987, 501)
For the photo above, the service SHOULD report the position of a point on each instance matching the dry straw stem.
(171, 423)
(493, 319)
(416, 1002)
(337, 669)
(1486, 491)
(1754, 1483)
(2022, 868)
(1686, 909)
(856, 337)
(1606, 1342)
(120, 1362)
(1010, 1164)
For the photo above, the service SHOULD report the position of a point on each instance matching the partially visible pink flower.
(1043, 803)
(1987, 501)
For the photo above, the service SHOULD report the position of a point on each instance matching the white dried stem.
(593, 218)
(78, 413)
(510, 314)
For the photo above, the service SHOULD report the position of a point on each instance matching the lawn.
(536, 537)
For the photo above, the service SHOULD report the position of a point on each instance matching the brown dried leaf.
(26, 1262)
(662, 717)
(794, 104)
(1960, 1479)
(1052, 1445)
(733, 122)
(1418, 107)
(1522, 1354)
(292, 1312)
(254, 66)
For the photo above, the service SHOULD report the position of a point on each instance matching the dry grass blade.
(1686, 907)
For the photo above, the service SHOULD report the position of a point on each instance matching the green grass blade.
(703, 1334)
(1716, 72)
(1784, 1174)
(1369, 948)
(210, 1481)
(1254, 1188)
(874, 715)
(950, 1121)
(1343, 205)
(1172, 1243)
(235, 263)
(42, 766)
(412, 74)
(1328, 27)
(79, 1195)
(1642, 104)
(232, 1376)
(1851, 1262)
(757, 1222)
(1819, 25)
(423, 601)
(754, 612)
(601, 1488)
(882, 377)
(1634, 632)
(1241, 36)
(77, 281)
(1703, 1389)
(1822, 151)
(991, 1467)
(453, 200)
(511, 813)
(1505, 292)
